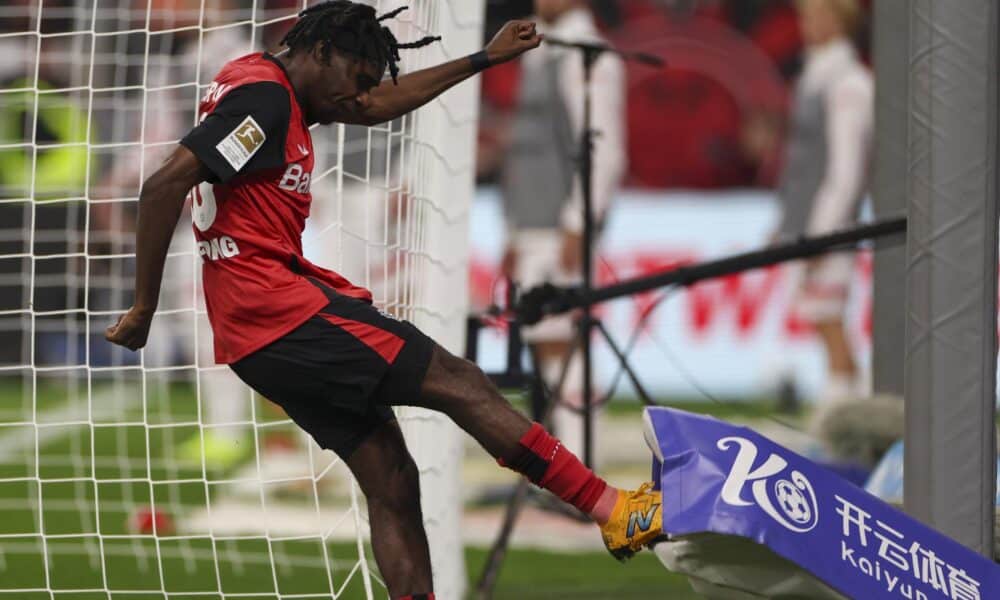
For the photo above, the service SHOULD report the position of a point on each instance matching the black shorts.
(338, 373)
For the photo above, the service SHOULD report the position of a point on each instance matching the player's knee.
(462, 370)
(454, 383)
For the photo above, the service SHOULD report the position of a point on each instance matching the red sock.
(548, 464)
(429, 596)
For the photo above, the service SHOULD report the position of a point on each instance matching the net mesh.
(158, 473)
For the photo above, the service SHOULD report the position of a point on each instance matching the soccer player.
(305, 337)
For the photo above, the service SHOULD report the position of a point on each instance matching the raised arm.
(160, 203)
(415, 89)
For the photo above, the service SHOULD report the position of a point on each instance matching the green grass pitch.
(98, 451)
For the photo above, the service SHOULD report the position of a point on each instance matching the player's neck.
(297, 77)
(293, 70)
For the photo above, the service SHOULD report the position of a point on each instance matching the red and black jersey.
(248, 218)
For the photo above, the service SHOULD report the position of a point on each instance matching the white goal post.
(159, 474)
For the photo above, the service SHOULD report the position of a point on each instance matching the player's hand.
(513, 39)
(131, 330)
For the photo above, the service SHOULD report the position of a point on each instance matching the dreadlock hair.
(351, 28)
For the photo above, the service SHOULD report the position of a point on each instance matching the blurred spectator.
(772, 25)
(710, 119)
(541, 186)
(686, 121)
(825, 172)
(44, 166)
(56, 126)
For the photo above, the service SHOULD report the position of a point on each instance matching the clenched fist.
(131, 330)
(513, 39)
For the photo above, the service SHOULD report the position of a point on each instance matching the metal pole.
(891, 40)
(586, 185)
(590, 52)
(951, 269)
(548, 299)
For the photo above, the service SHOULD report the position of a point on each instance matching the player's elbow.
(367, 110)
(377, 113)
(158, 180)
(159, 187)
(163, 198)
(382, 107)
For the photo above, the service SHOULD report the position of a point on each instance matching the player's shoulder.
(249, 68)
(252, 81)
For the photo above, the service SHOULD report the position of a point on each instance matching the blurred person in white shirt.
(541, 183)
(825, 174)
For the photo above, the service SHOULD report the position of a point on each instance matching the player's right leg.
(629, 521)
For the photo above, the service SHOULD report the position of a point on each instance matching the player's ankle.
(605, 505)
(427, 596)
(549, 465)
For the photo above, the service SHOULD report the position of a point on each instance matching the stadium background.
(705, 142)
(704, 148)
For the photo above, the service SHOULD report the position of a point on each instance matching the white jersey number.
(203, 207)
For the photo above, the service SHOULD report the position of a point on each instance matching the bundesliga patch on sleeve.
(242, 143)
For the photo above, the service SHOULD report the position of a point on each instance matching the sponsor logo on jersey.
(216, 248)
(295, 179)
(302, 149)
(242, 143)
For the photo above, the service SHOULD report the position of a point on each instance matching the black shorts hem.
(403, 380)
(338, 374)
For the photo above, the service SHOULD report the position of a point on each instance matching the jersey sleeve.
(244, 133)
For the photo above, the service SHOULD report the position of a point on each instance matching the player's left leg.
(458, 388)
(368, 439)
(389, 479)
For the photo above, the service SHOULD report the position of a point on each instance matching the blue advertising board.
(726, 479)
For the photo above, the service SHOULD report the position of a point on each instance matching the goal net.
(158, 473)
